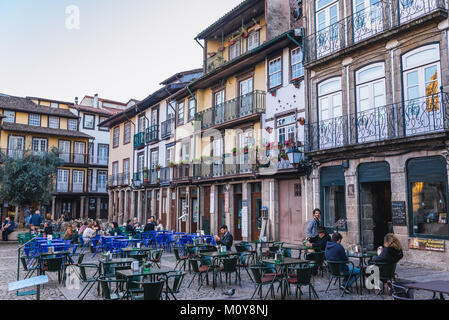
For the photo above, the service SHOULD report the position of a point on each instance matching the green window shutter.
(374, 172)
(427, 169)
(332, 176)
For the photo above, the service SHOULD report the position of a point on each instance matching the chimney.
(277, 17)
(96, 100)
(76, 100)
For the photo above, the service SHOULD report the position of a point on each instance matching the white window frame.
(72, 124)
(273, 73)
(8, 115)
(39, 144)
(286, 126)
(235, 50)
(52, 121)
(370, 83)
(296, 63)
(116, 137)
(253, 40)
(85, 117)
(34, 119)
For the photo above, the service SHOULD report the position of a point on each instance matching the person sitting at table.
(150, 225)
(88, 234)
(391, 252)
(226, 238)
(48, 228)
(318, 244)
(129, 228)
(335, 252)
(69, 234)
(96, 226)
(159, 226)
(7, 228)
(114, 229)
(83, 227)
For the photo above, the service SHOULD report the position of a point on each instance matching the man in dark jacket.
(335, 252)
(36, 220)
(319, 242)
(7, 228)
(226, 239)
(150, 225)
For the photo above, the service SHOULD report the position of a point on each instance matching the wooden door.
(194, 210)
(290, 215)
(256, 215)
(164, 209)
(237, 212)
(206, 213)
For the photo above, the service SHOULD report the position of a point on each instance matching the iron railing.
(166, 175)
(242, 106)
(167, 128)
(152, 134)
(214, 62)
(407, 118)
(98, 160)
(139, 139)
(380, 17)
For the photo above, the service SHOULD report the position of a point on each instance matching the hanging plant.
(231, 42)
(296, 82)
(158, 167)
(245, 34)
(302, 121)
(234, 151)
(212, 54)
(221, 49)
(273, 92)
(245, 150)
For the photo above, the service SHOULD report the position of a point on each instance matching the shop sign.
(398, 213)
(427, 244)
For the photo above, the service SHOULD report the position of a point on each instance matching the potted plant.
(245, 34)
(158, 167)
(302, 121)
(273, 92)
(245, 150)
(212, 54)
(171, 164)
(234, 151)
(221, 49)
(145, 174)
(158, 180)
(296, 82)
(231, 42)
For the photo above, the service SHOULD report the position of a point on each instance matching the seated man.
(226, 238)
(319, 242)
(48, 229)
(7, 228)
(335, 252)
(150, 225)
(129, 228)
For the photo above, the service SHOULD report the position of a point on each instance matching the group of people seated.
(133, 226)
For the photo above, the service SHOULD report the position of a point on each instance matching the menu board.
(426, 244)
(398, 213)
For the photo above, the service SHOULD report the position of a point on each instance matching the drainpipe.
(134, 153)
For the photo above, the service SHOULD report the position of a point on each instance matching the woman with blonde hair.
(391, 252)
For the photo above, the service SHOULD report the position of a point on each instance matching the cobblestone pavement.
(55, 291)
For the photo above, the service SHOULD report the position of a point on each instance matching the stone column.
(125, 206)
(133, 205)
(121, 203)
(83, 199)
(246, 214)
(230, 210)
(110, 206)
(139, 206)
(98, 208)
(53, 207)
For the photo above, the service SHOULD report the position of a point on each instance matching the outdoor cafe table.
(106, 264)
(215, 257)
(126, 251)
(299, 247)
(259, 244)
(283, 266)
(362, 264)
(155, 274)
(436, 286)
(45, 255)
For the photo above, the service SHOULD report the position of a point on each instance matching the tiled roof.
(107, 100)
(26, 105)
(104, 111)
(18, 127)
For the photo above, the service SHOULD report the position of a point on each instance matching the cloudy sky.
(122, 49)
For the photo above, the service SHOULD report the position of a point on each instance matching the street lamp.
(294, 156)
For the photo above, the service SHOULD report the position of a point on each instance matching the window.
(235, 50)
(329, 109)
(89, 121)
(253, 40)
(39, 144)
(154, 157)
(427, 193)
(192, 109)
(126, 171)
(297, 69)
(286, 129)
(141, 123)
(63, 180)
(79, 150)
(115, 137)
(127, 133)
(10, 116)
(64, 150)
(170, 155)
(34, 120)
(101, 181)
(103, 154)
(140, 162)
(274, 73)
(77, 181)
(327, 27)
(297, 189)
(53, 122)
(72, 124)
(422, 79)
(54, 105)
(185, 152)
(103, 128)
(115, 168)
(332, 185)
(16, 146)
(171, 109)
(180, 112)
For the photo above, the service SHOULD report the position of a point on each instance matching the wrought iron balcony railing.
(379, 17)
(99, 187)
(98, 160)
(242, 106)
(139, 140)
(119, 179)
(166, 175)
(214, 62)
(152, 134)
(167, 128)
(413, 117)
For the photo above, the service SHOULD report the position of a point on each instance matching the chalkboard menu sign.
(398, 213)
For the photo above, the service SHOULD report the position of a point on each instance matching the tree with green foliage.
(29, 179)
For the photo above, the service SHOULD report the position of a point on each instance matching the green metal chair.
(261, 280)
(317, 260)
(199, 271)
(108, 293)
(246, 260)
(156, 257)
(173, 283)
(228, 267)
(30, 267)
(180, 260)
(387, 273)
(302, 278)
(337, 274)
(53, 265)
(151, 290)
(89, 280)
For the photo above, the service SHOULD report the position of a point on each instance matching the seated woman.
(69, 234)
(114, 229)
(391, 252)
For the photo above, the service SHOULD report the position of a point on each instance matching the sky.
(120, 49)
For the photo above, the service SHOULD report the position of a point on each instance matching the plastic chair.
(173, 287)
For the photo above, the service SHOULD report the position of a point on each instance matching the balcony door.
(219, 99)
(246, 97)
(330, 114)
(327, 36)
(372, 115)
(368, 18)
(39, 145)
(422, 80)
(79, 150)
(217, 148)
(411, 9)
(78, 181)
(245, 140)
(103, 154)
(16, 146)
(64, 150)
(63, 181)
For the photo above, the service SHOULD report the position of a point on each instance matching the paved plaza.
(55, 291)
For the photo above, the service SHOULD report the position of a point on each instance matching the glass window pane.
(323, 3)
(334, 204)
(371, 74)
(422, 57)
(429, 208)
(330, 86)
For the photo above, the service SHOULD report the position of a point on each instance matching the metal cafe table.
(107, 265)
(283, 267)
(215, 257)
(362, 264)
(155, 274)
(299, 247)
(260, 244)
(126, 251)
(435, 286)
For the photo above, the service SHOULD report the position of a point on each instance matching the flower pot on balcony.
(231, 42)
(273, 92)
(221, 49)
(245, 150)
(158, 181)
(302, 121)
(145, 180)
(212, 54)
(245, 34)
(257, 27)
